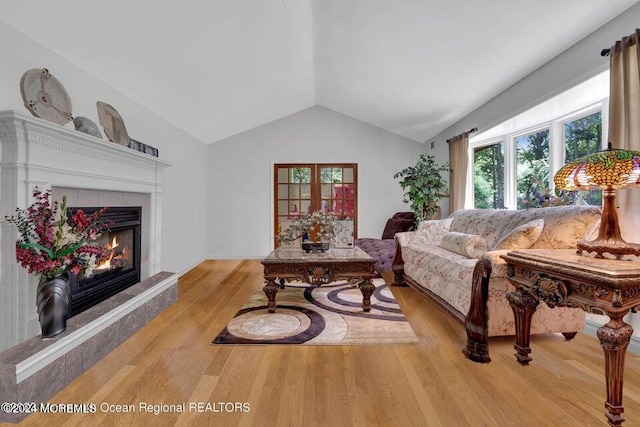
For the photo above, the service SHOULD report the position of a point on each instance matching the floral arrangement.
(305, 223)
(50, 244)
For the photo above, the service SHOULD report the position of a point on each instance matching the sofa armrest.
(404, 238)
(498, 265)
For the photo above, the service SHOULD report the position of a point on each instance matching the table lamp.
(609, 170)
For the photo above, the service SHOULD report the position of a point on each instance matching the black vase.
(53, 299)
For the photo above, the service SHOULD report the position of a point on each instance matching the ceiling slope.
(216, 68)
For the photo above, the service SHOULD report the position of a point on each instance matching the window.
(514, 161)
(583, 136)
(532, 167)
(312, 187)
(488, 185)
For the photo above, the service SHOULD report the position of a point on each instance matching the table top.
(297, 255)
(627, 267)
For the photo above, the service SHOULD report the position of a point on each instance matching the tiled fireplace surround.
(90, 172)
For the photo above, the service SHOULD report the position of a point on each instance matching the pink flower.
(48, 245)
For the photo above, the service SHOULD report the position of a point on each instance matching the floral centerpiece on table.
(50, 245)
(320, 222)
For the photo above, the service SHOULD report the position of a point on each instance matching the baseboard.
(191, 267)
(591, 328)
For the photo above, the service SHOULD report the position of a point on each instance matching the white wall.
(240, 175)
(184, 218)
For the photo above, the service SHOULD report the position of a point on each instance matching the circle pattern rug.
(327, 315)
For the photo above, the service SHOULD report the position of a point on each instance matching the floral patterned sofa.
(456, 262)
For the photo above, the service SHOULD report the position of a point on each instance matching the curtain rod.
(605, 52)
(472, 130)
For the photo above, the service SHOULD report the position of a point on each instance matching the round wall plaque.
(44, 96)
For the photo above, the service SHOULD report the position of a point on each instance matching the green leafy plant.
(424, 186)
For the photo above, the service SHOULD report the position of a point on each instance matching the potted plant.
(56, 249)
(424, 186)
(318, 226)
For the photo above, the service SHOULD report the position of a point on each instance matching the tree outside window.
(488, 182)
(532, 169)
(582, 137)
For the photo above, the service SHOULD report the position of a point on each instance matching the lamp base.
(617, 248)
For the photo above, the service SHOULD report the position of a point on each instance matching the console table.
(600, 286)
(353, 265)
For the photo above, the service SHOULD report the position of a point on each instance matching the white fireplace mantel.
(37, 153)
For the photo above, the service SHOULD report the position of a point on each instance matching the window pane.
(532, 169)
(300, 175)
(583, 137)
(325, 191)
(283, 191)
(337, 175)
(347, 175)
(283, 174)
(488, 179)
(283, 208)
(305, 191)
(294, 191)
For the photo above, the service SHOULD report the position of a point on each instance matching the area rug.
(327, 315)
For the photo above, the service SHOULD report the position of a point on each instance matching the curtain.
(458, 152)
(624, 123)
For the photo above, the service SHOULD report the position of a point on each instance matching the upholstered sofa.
(384, 248)
(456, 262)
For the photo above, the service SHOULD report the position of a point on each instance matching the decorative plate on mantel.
(44, 96)
(112, 124)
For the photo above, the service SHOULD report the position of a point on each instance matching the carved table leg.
(367, 288)
(270, 290)
(523, 305)
(614, 339)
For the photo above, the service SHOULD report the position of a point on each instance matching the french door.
(327, 187)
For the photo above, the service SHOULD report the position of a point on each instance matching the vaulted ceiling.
(219, 67)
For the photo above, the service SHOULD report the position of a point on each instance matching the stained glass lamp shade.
(609, 170)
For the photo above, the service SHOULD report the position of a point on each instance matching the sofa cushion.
(521, 237)
(430, 232)
(563, 225)
(394, 226)
(469, 245)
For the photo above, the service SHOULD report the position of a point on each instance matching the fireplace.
(122, 269)
(89, 172)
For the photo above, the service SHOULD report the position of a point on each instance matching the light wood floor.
(171, 361)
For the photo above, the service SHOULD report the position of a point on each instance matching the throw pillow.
(394, 226)
(521, 237)
(430, 232)
(469, 245)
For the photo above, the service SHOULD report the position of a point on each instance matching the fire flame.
(106, 264)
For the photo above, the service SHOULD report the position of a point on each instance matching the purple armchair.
(384, 249)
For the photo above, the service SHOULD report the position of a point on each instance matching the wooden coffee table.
(317, 269)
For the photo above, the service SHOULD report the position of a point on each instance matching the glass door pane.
(307, 188)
